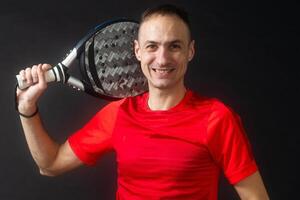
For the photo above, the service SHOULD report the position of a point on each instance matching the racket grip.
(56, 74)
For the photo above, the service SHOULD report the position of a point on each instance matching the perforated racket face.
(111, 65)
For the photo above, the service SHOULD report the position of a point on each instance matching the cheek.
(146, 60)
(182, 65)
(144, 69)
(144, 66)
(181, 61)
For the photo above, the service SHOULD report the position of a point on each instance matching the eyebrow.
(169, 42)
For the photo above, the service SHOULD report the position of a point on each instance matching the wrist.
(24, 107)
(27, 109)
(29, 115)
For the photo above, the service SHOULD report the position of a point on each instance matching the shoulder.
(114, 104)
(213, 107)
(218, 108)
(134, 102)
(212, 103)
(110, 109)
(222, 118)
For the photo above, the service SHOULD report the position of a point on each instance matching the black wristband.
(29, 116)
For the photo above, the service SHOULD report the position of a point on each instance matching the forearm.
(42, 148)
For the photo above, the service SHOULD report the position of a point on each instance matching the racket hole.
(102, 64)
(113, 44)
(103, 71)
(100, 57)
(106, 45)
(124, 32)
(116, 37)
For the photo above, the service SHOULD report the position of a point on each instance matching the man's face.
(164, 50)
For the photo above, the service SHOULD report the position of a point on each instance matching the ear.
(191, 50)
(137, 50)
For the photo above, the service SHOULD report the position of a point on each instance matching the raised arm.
(51, 158)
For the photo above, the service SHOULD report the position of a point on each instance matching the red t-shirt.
(174, 154)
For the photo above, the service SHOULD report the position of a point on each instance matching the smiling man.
(170, 142)
(164, 48)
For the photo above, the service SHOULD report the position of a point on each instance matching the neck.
(165, 99)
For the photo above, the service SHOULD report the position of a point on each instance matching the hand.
(34, 76)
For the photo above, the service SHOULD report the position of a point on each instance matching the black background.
(246, 55)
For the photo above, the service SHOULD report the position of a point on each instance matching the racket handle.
(55, 74)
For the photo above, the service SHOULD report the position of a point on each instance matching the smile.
(163, 70)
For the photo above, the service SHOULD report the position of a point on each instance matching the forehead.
(163, 28)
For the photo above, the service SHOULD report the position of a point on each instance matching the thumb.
(46, 67)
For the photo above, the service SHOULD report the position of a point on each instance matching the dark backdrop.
(246, 56)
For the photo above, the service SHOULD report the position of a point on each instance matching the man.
(170, 143)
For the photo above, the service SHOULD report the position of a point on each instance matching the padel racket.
(108, 66)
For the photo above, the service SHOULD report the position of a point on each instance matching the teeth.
(163, 70)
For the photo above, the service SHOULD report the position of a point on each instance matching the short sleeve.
(229, 145)
(95, 138)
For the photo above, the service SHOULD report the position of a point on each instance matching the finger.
(28, 76)
(41, 76)
(22, 75)
(46, 67)
(34, 74)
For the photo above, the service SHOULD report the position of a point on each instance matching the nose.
(163, 56)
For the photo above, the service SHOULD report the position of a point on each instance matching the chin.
(163, 85)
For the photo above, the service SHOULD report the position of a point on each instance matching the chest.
(161, 146)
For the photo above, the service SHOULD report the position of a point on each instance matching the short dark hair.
(167, 9)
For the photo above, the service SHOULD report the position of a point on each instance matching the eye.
(151, 47)
(175, 47)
